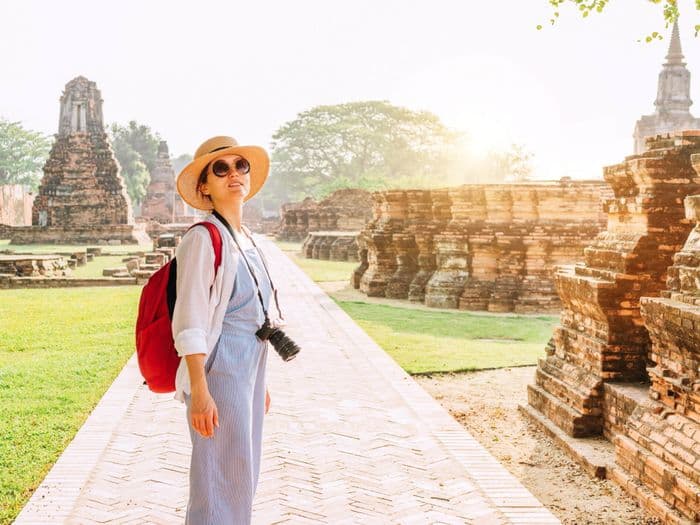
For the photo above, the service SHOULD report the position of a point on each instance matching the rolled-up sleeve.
(195, 276)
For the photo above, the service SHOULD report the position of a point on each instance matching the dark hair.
(202, 179)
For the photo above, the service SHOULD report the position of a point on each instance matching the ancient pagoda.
(82, 196)
(160, 197)
(672, 99)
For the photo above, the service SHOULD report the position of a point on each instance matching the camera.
(285, 347)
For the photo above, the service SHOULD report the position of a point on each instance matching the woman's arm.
(203, 411)
(195, 276)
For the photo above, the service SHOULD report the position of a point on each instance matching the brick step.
(595, 455)
(564, 387)
(647, 473)
(597, 273)
(569, 420)
(619, 401)
(667, 435)
(587, 384)
(591, 277)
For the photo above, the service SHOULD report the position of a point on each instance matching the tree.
(136, 149)
(133, 170)
(518, 163)
(22, 154)
(371, 145)
(586, 7)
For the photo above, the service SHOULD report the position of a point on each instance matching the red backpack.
(155, 347)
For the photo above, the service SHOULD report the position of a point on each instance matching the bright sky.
(571, 92)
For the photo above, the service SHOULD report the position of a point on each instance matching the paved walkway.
(349, 438)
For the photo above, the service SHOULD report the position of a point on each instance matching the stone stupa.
(82, 196)
(672, 99)
(159, 204)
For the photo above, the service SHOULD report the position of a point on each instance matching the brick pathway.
(350, 438)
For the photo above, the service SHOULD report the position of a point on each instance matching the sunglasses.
(222, 168)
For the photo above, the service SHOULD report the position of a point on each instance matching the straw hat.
(210, 150)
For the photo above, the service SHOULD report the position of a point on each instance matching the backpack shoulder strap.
(216, 240)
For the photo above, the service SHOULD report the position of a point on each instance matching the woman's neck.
(233, 217)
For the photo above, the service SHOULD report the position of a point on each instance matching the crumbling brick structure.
(81, 184)
(624, 360)
(343, 210)
(478, 246)
(82, 196)
(159, 203)
(15, 205)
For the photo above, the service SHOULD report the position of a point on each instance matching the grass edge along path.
(60, 350)
(449, 341)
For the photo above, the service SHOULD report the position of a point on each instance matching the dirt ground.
(486, 404)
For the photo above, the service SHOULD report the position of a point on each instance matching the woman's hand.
(204, 413)
(267, 400)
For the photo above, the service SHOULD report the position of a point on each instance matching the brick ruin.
(623, 363)
(477, 247)
(15, 205)
(27, 270)
(82, 196)
(331, 246)
(255, 217)
(343, 210)
(159, 203)
(31, 265)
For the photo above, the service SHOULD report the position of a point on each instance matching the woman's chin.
(235, 195)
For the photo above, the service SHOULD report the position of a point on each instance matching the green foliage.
(22, 154)
(60, 350)
(136, 148)
(370, 144)
(586, 7)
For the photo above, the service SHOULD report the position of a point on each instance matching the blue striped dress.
(224, 469)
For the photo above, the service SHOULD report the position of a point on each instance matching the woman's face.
(228, 189)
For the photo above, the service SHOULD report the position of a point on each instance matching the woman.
(222, 375)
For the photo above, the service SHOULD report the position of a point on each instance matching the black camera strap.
(250, 268)
(267, 271)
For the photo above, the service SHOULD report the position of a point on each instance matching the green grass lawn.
(320, 271)
(53, 248)
(289, 246)
(443, 341)
(60, 349)
(94, 268)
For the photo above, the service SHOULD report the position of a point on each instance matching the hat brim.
(188, 177)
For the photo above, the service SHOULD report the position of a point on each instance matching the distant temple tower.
(82, 186)
(159, 203)
(672, 99)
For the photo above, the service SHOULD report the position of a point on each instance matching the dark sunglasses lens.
(220, 168)
(242, 166)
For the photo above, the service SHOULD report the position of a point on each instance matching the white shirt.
(201, 299)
